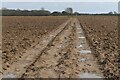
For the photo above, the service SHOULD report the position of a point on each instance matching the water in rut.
(63, 53)
(87, 64)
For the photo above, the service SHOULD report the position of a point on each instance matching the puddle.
(61, 46)
(90, 75)
(79, 46)
(9, 76)
(78, 28)
(83, 59)
(81, 37)
(85, 51)
(79, 32)
(44, 41)
(51, 35)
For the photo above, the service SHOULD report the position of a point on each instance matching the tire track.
(19, 68)
(44, 50)
(63, 53)
(58, 59)
(87, 63)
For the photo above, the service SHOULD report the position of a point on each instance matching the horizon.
(81, 7)
(60, 1)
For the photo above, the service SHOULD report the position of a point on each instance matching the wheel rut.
(58, 59)
(18, 68)
(64, 53)
(87, 63)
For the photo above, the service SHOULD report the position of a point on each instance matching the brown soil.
(23, 33)
(87, 62)
(56, 56)
(102, 34)
(0, 46)
(59, 60)
(47, 50)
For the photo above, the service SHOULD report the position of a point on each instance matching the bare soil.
(53, 47)
(21, 33)
(102, 35)
(0, 46)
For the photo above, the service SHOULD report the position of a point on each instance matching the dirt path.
(64, 53)
(87, 63)
(19, 67)
(59, 59)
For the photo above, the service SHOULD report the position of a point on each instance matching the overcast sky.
(83, 6)
(60, 0)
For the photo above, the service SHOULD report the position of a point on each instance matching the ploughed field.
(102, 35)
(21, 33)
(60, 47)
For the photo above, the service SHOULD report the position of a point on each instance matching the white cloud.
(60, 0)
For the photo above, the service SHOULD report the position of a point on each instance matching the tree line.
(42, 12)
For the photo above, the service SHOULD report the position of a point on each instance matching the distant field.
(102, 34)
(22, 32)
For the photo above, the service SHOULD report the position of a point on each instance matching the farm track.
(67, 51)
(58, 60)
(88, 66)
(18, 68)
(18, 38)
(102, 35)
(63, 59)
(59, 54)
